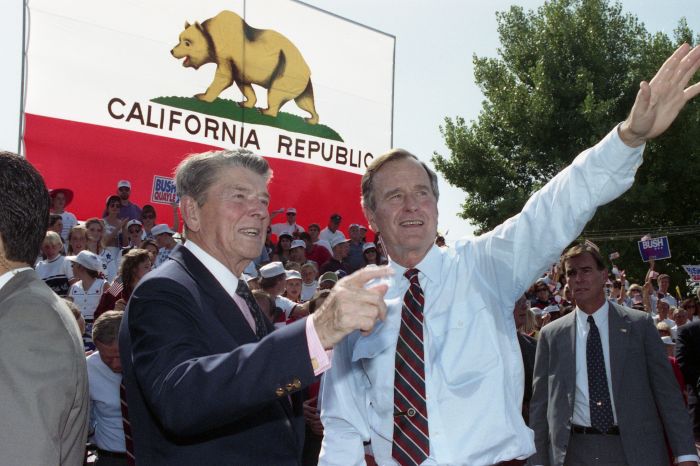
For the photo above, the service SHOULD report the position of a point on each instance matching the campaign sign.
(693, 271)
(164, 191)
(654, 248)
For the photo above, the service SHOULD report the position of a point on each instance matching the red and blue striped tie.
(410, 446)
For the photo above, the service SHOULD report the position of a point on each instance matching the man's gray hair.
(368, 200)
(198, 172)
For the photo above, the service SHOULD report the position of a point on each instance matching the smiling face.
(231, 223)
(586, 281)
(406, 210)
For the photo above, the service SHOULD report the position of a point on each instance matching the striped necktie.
(243, 291)
(128, 439)
(410, 445)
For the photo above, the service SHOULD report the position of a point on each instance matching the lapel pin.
(623, 330)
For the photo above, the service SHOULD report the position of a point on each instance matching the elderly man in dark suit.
(604, 392)
(207, 379)
(43, 379)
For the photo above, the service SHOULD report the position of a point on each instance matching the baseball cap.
(124, 184)
(291, 210)
(293, 275)
(328, 276)
(297, 243)
(160, 229)
(336, 217)
(338, 239)
(272, 269)
(133, 222)
(368, 245)
(87, 259)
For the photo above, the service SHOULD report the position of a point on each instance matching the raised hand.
(351, 307)
(658, 102)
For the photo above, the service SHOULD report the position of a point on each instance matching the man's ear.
(190, 213)
(369, 215)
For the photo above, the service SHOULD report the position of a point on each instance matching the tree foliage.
(564, 76)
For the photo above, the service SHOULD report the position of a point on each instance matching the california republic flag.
(125, 90)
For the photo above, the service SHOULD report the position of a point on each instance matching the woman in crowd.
(54, 269)
(284, 244)
(293, 286)
(369, 253)
(152, 247)
(309, 280)
(135, 264)
(88, 290)
(60, 198)
(112, 223)
(108, 255)
(148, 219)
(134, 236)
(56, 224)
(691, 308)
(77, 240)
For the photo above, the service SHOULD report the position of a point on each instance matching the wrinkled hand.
(659, 101)
(351, 307)
(312, 417)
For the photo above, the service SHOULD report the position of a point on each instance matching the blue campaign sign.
(654, 248)
(164, 190)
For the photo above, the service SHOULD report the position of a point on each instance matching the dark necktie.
(243, 291)
(410, 445)
(598, 394)
(128, 439)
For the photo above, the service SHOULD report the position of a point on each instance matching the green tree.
(564, 76)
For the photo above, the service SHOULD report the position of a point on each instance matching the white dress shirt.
(105, 405)
(473, 366)
(582, 410)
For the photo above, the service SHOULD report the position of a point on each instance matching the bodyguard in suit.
(43, 378)
(207, 379)
(688, 358)
(604, 391)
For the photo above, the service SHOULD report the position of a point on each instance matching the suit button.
(280, 391)
(296, 383)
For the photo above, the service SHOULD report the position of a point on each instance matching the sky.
(434, 76)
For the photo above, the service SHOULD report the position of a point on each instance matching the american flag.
(117, 287)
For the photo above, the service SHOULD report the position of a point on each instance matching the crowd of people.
(228, 345)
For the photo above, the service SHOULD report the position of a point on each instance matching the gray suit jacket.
(43, 377)
(646, 395)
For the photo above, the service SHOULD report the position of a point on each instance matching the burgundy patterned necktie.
(410, 446)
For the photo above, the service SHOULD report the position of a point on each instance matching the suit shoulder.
(556, 327)
(633, 314)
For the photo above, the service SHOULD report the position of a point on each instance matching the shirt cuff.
(320, 358)
(682, 458)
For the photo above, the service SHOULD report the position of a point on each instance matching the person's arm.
(40, 386)
(667, 395)
(688, 354)
(646, 296)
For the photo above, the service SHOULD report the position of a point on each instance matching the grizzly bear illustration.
(246, 56)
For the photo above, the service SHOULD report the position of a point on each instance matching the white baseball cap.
(368, 245)
(339, 239)
(272, 269)
(297, 243)
(160, 229)
(293, 275)
(87, 259)
(124, 184)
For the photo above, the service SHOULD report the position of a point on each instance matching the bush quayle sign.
(654, 248)
(163, 191)
(693, 271)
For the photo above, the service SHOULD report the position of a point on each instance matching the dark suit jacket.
(201, 389)
(643, 387)
(528, 348)
(688, 353)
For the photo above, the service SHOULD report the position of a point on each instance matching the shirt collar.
(429, 267)
(222, 274)
(600, 316)
(10, 274)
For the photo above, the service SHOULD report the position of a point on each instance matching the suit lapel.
(220, 303)
(569, 358)
(619, 328)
